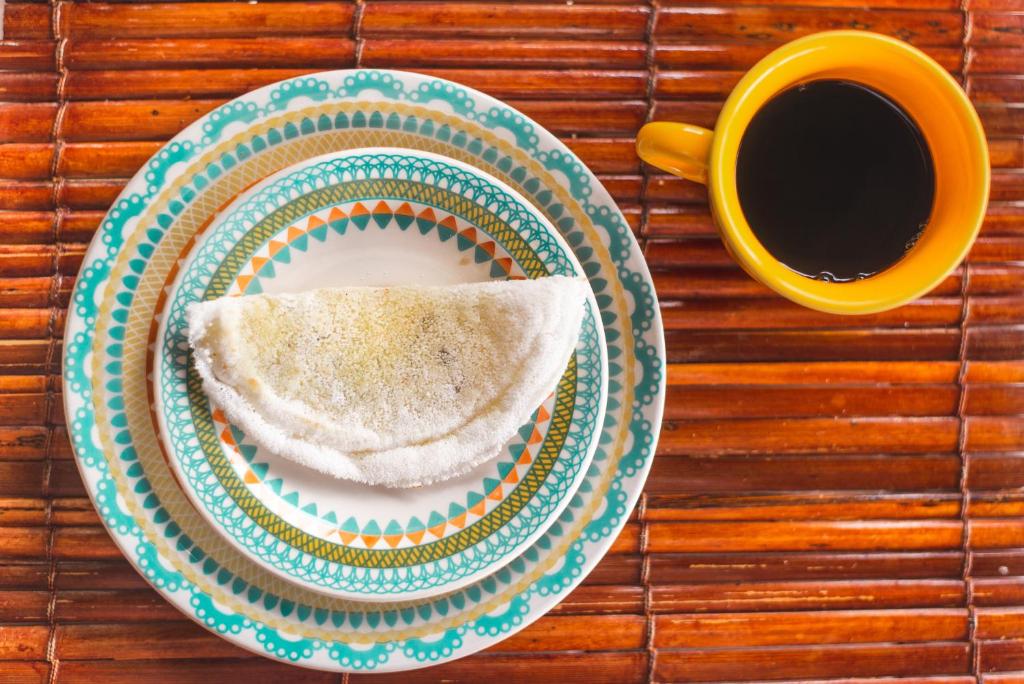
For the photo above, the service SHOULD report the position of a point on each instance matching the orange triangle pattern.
(504, 263)
(458, 522)
(359, 209)
(479, 509)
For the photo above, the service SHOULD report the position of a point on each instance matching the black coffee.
(835, 180)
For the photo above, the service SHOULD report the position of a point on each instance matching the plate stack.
(357, 178)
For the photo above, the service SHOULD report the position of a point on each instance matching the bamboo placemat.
(832, 497)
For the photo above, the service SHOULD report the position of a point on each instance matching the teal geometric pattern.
(452, 127)
(427, 221)
(455, 515)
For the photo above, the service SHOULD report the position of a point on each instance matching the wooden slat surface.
(834, 499)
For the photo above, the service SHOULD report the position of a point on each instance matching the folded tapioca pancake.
(396, 386)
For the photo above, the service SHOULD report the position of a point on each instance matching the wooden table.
(832, 497)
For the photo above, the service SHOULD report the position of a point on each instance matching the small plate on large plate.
(111, 423)
(374, 217)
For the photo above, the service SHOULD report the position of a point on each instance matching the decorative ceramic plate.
(375, 217)
(119, 290)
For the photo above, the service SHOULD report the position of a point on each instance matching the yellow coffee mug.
(910, 78)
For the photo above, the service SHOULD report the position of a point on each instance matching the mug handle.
(680, 149)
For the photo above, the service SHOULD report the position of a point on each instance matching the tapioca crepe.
(393, 386)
